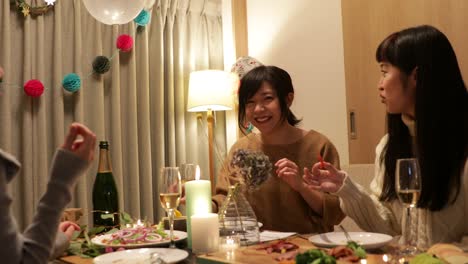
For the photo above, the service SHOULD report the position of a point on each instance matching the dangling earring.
(248, 128)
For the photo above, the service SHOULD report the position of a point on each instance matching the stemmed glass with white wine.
(169, 195)
(408, 187)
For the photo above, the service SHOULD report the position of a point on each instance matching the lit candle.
(138, 224)
(205, 233)
(229, 243)
(198, 200)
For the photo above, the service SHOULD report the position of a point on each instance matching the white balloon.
(149, 4)
(113, 12)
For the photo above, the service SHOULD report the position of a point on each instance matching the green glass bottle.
(105, 196)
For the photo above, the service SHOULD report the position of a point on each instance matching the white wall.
(305, 38)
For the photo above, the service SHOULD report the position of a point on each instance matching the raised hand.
(81, 141)
(324, 177)
(289, 172)
(68, 228)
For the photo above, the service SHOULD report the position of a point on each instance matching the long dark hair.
(441, 114)
(279, 80)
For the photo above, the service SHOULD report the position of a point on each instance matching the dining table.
(251, 254)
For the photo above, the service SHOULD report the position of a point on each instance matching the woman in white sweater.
(426, 101)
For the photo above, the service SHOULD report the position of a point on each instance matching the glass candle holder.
(228, 245)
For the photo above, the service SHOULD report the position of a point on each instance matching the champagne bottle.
(105, 196)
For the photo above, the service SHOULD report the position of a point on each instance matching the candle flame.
(138, 224)
(197, 173)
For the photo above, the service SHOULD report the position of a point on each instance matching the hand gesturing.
(81, 141)
(289, 172)
(326, 178)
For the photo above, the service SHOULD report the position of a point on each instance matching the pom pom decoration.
(101, 64)
(71, 82)
(34, 88)
(124, 43)
(143, 18)
(1, 74)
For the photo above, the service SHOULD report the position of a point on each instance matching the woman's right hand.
(81, 141)
(324, 177)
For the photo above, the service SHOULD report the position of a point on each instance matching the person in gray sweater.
(70, 161)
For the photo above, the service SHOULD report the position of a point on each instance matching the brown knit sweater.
(275, 203)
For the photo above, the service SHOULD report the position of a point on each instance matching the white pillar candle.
(205, 233)
(198, 200)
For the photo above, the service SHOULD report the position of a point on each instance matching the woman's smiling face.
(263, 109)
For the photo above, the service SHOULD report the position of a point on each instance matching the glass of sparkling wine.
(408, 187)
(169, 195)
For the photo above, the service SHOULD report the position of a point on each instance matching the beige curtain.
(139, 105)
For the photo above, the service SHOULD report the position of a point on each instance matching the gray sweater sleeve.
(61, 244)
(35, 245)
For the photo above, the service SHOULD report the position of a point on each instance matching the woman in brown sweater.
(284, 202)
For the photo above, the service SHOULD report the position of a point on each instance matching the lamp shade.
(211, 90)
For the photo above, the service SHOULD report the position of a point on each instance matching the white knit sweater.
(448, 225)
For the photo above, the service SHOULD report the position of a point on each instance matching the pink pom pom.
(108, 250)
(34, 88)
(124, 43)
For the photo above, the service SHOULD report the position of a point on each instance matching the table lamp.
(211, 90)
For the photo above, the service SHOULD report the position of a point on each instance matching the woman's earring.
(248, 128)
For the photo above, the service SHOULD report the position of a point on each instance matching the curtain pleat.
(139, 106)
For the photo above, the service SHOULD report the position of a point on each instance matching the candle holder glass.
(237, 218)
(228, 245)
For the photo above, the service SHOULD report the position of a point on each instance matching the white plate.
(141, 256)
(178, 234)
(365, 239)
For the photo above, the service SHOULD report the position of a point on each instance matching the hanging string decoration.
(34, 88)
(27, 9)
(101, 64)
(71, 82)
(124, 43)
(143, 18)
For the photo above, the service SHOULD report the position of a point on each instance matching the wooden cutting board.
(250, 255)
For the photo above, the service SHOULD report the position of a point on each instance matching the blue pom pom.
(71, 82)
(143, 18)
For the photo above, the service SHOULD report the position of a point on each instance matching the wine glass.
(169, 195)
(188, 171)
(408, 187)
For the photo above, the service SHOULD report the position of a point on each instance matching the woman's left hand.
(68, 228)
(289, 172)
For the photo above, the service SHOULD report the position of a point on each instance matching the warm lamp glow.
(211, 90)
